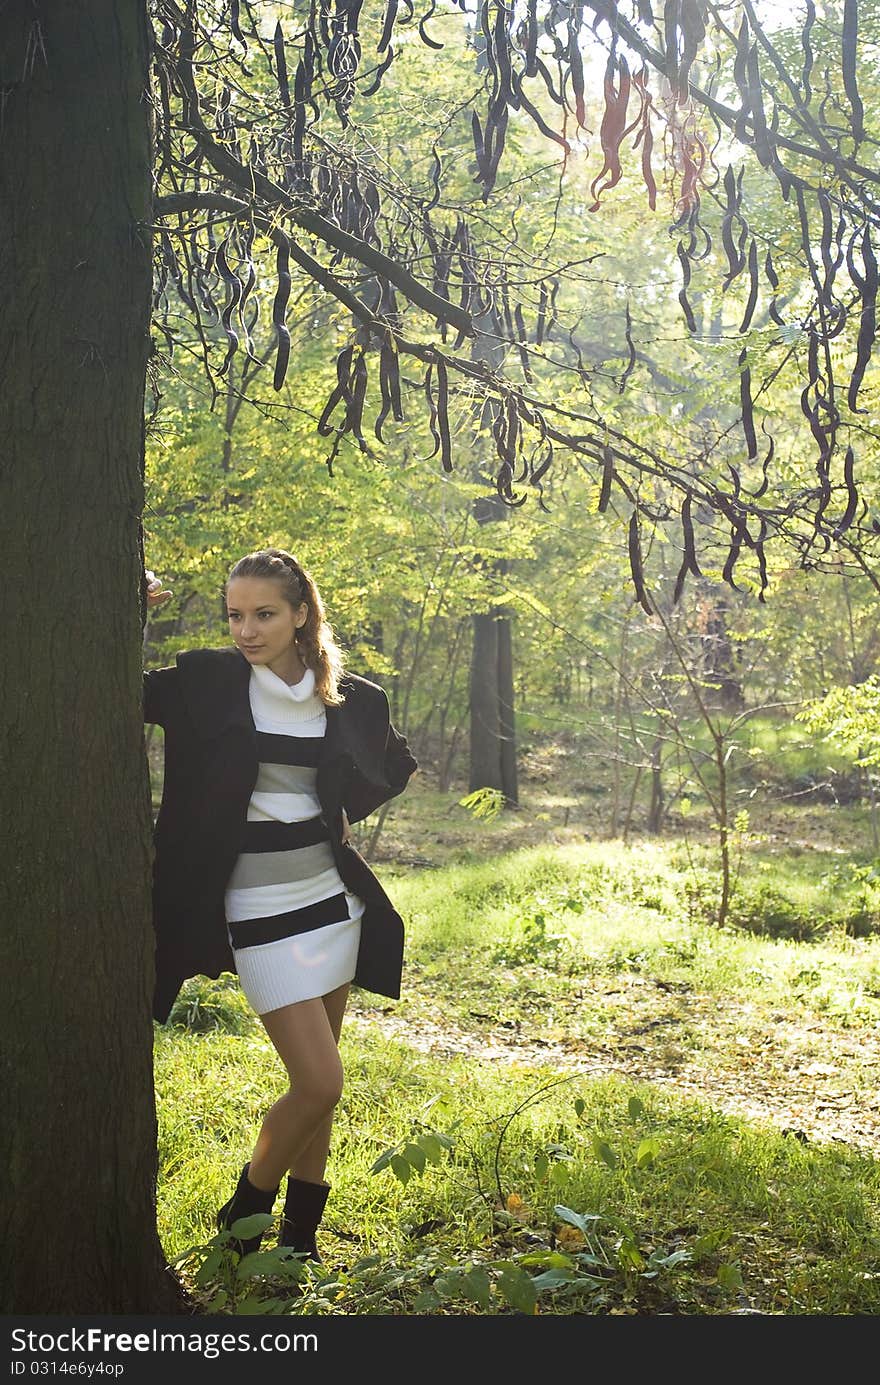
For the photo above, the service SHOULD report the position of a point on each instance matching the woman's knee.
(320, 1090)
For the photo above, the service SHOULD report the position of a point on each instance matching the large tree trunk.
(78, 1124)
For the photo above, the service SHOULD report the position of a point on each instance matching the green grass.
(596, 951)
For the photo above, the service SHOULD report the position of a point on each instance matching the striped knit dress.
(293, 928)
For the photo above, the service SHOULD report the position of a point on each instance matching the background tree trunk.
(485, 762)
(507, 712)
(78, 1124)
(493, 700)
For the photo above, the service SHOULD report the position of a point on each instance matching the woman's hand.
(156, 593)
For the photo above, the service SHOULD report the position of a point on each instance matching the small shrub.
(766, 911)
(204, 1004)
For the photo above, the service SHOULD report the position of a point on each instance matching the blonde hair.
(315, 640)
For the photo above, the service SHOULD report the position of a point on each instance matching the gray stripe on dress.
(285, 779)
(277, 867)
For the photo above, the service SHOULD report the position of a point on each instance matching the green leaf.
(581, 1221)
(243, 1228)
(730, 1275)
(552, 1259)
(603, 1151)
(636, 1108)
(647, 1152)
(426, 1302)
(402, 1168)
(484, 803)
(383, 1161)
(553, 1278)
(476, 1286)
(518, 1289)
(253, 1305)
(580, 1106)
(557, 1279)
(709, 1242)
(274, 1262)
(542, 1164)
(658, 1261)
(629, 1255)
(415, 1156)
(448, 1285)
(209, 1267)
(432, 1146)
(558, 1175)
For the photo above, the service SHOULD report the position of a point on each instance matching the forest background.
(641, 849)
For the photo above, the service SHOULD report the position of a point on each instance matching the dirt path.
(817, 1082)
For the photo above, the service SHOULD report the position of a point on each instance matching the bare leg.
(312, 1162)
(306, 1040)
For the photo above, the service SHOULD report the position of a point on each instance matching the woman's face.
(262, 623)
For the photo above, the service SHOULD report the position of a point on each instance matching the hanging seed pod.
(753, 287)
(645, 134)
(635, 564)
(682, 294)
(340, 390)
(745, 402)
(852, 493)
(443, 414)
(868, 322)
(848, 64)
(279, 310)
(631, 352)
(806, 31)
(432, 408)
(687, 526)
(233, 299)
(235, 23)
(607, 476)
(281, 66)
(612, 129)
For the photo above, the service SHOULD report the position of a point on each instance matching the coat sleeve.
(362, 797)
(161, 689)
(400, 763)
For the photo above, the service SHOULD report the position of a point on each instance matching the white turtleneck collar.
(275, 700)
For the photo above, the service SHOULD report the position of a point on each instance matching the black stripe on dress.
(253, 932)
(288, 750)
(283, 836)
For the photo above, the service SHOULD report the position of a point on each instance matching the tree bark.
(492, 734)
(78, 1123)
(485, 762)
(506, 713)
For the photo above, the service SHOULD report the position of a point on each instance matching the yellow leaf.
(570, 1238)
(517, 1207)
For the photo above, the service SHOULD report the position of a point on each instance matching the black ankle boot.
(303, 1208)
(245, 1201)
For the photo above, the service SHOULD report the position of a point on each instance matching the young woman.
(271, 751)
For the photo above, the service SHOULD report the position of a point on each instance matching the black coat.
(211, 768)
